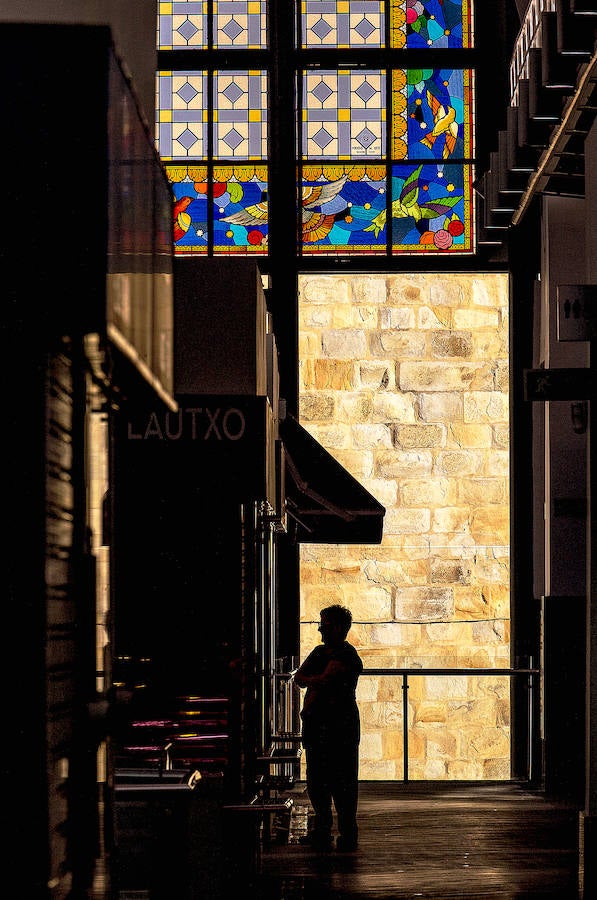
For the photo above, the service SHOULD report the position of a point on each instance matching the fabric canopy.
(327, 504)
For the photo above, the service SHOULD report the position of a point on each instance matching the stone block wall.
(404, 379)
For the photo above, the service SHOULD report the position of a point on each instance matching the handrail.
(405, 672)
(530, 672)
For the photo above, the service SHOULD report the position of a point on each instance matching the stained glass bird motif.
(316, 224)
(182, 220)
(444, 122)
(407, 204)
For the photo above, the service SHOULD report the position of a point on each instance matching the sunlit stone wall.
(404, 379)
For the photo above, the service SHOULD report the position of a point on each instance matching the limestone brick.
(316, 406)
(469, 436)
(396, 463)
(451, 343)
(344, 343)
(382, 489)
(324, 290)
(451, 518)
(373, 602)
(353, 407)
(329, 374)
(423, 604)
(387, 407)
(407, 437)
(459, 462)
(309, 344)
(498, 463)
(447, 291)
(448, 571)
(439, 317)
(316, 317)
(476, 317)
(400, 317)
(427, 492)
(354, 317)
(398, 344)
(490, 525)
(442, 406)
(485, 406)
(501, 435)
(490, 344)
(488, 632)
(407, 520)
(369, 288)
(474, 491)
(333, 436)
(437, 376)
(359, 463)
(377, 375)
(407, 290)
(366, 437)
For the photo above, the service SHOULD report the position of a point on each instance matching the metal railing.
(287, 701)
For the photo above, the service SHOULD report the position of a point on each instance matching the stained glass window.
(384, 155)
(223, 24)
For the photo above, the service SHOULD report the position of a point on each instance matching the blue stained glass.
(430, 208)
(434, 23)
(190, 218)
(240, 216)
(338, 214)
(436, 127)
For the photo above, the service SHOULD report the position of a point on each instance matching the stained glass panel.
(238, 209)
(237, 24)
(431, 114)
(240, 115)
(182, 118)
(240, 24)
(189, 185)
(339, 206)
(344, 114)
(342, 23)
(437, 24)
(431, 208)
(182, 24)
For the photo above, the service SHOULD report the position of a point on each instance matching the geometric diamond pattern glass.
(342, 23)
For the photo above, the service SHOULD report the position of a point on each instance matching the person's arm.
(335, 670)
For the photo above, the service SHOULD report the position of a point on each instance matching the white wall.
(133, 24)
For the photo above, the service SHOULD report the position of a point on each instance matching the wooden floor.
(441, 840)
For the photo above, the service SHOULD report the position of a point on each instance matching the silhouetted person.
(331, 730)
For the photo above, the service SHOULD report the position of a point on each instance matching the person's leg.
(320, 795)
(345, 790)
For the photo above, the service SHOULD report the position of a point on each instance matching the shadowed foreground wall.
(404, 379)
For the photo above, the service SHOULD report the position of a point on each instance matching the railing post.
(405, 724)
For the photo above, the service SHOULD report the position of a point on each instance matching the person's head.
(335, 622)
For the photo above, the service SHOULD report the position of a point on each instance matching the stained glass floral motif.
(431, 209)
(339, 205)
(238, 209)
(237, 24)
(344, 114)
(437, 24)
(342, 23)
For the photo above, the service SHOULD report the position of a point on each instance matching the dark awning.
(326, 503)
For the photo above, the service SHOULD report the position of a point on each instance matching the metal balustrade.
(287, 702)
